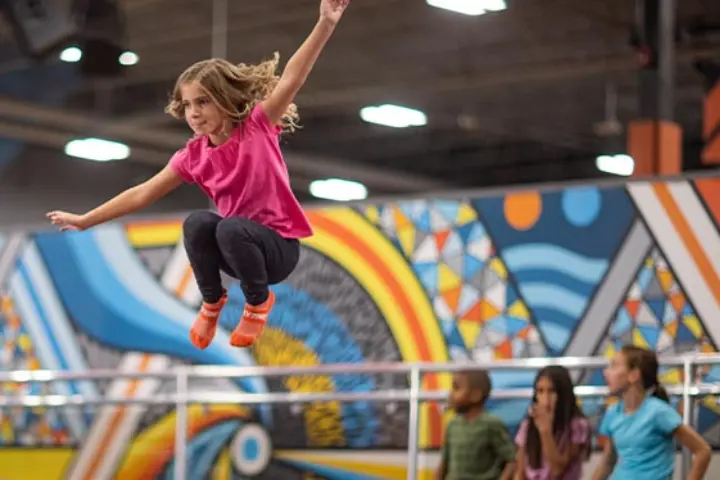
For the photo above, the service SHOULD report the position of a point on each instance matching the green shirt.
(477, 449)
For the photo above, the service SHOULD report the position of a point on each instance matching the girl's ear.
(634, 375)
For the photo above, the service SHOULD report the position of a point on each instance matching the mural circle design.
(581, 205)
(251, 450)
(523, 209)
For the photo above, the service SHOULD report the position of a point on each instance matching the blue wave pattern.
(557, 283)
(558, 262)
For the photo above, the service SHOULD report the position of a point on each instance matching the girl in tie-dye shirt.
(554, 440)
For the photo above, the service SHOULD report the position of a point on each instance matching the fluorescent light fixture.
(469, 7)
(622, 165)
(71, 55)
(97, 150)
(338, 190)
(128, 59)
(393, 116)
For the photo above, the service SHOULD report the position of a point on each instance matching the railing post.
(414, 423)
(181, 423)
(688, 402)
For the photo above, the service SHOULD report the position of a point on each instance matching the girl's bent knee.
(231, 231)
(200, 223)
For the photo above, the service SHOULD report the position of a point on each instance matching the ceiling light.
(623, 165)
(393, 116)
(469, 7)
(128, 59)
(97, 150)
(338, 190)
(71, 55)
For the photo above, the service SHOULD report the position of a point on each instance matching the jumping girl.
(555, 438)
(236, 113)
(642, 426)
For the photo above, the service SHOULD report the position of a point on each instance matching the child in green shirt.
(477, 444)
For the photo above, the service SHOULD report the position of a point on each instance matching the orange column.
(711, 127)
(654, 138)
(656, 147)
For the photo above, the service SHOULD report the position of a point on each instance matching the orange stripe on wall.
(398, 293)
(368, 255)
(117, 418)
(184, 281)
(688, 238)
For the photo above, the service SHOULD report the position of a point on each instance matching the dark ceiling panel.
(511, 97)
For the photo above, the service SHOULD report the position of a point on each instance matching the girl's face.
(617, 374)
(201, 113)
(545, 395)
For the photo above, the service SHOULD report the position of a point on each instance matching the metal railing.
(414, 395)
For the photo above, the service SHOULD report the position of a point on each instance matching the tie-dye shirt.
(579, 435)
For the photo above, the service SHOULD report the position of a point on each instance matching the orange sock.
(252, 323)
(203, 330)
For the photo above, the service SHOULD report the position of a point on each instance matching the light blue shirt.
(643, 439)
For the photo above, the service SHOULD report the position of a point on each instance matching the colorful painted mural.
(573, 271)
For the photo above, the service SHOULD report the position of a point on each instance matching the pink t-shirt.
(246, 176)
(579, 435)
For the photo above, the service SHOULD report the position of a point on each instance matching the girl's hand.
(332, 10)
(67, 221)
(543, 417)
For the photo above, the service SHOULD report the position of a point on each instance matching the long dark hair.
(566, 410)
(647, 362)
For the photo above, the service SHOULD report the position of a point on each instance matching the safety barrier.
(414, 395)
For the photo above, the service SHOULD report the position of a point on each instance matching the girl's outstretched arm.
(129, 201)
(607, 463)
(700, 449)
(301, 63)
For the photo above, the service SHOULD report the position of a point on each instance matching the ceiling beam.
(540, 73)
(523, 76)
(144, 141)
(55, 140)
(49, 138)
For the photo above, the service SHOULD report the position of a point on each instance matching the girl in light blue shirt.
(642, 426)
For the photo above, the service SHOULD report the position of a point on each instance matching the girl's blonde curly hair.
(235, 89)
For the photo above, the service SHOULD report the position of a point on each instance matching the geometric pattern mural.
(24, 426)
(574, 271)
(656, 313)
(479, 310)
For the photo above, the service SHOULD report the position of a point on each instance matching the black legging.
(246, 250)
